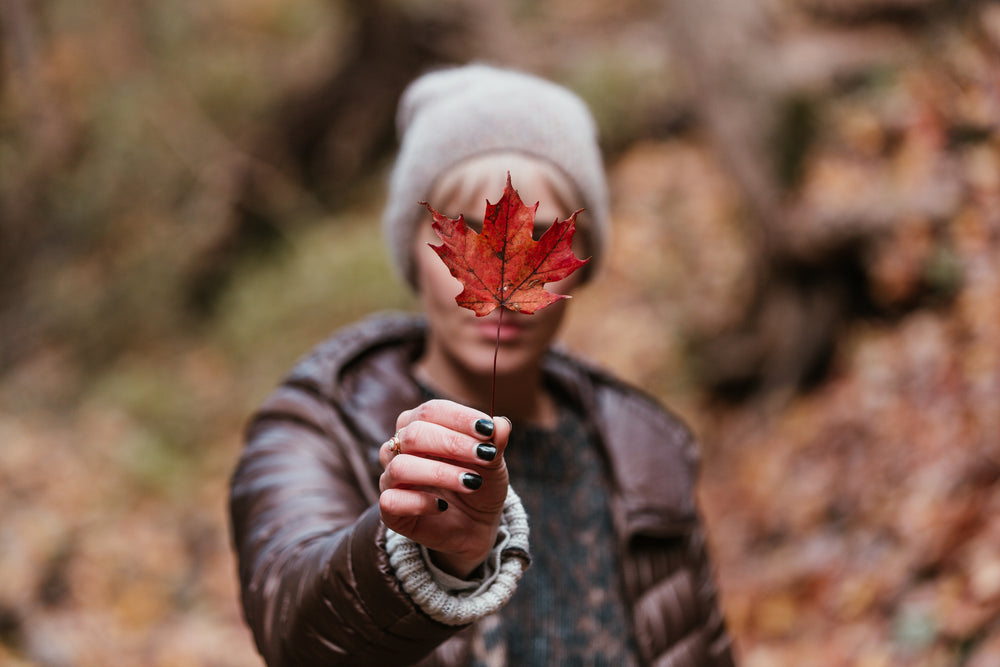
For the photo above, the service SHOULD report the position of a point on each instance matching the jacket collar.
(652, 455)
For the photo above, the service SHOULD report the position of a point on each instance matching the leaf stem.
(496, 351)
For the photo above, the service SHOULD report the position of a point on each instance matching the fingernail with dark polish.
(486, 451)
(472, 480)
(484, 427)
(442, 504)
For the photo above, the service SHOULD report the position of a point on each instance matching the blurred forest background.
(806, 268)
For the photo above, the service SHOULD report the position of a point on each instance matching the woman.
(381, 516)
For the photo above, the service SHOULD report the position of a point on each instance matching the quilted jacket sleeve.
(316, 583)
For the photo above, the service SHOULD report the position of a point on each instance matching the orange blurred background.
(806, 267)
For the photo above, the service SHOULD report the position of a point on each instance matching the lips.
(510, 328)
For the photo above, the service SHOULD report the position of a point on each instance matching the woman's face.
(457, 336)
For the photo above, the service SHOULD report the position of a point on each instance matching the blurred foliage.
(806, 267)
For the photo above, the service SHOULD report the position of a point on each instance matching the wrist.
(454, 601)
(462, 568)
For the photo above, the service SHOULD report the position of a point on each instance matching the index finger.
(458, 417)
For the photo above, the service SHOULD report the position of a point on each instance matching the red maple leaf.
(504, 266)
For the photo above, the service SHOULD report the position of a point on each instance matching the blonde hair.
(488, 173)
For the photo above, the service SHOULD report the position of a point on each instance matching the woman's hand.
(445, 482)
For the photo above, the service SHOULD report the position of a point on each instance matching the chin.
(482, 364)
(513, 364)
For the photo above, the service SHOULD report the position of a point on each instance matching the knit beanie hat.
(450, 115)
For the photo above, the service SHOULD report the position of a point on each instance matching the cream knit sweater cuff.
(454, 601)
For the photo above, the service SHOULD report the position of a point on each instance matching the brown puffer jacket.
(317, 586)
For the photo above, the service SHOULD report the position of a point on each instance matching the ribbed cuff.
(453, 601)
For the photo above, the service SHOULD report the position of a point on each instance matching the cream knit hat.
(451, 115)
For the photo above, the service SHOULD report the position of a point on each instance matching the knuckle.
(460, 445)
(388, 505)
(423, 411)
(414, 432)
(443, 476)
